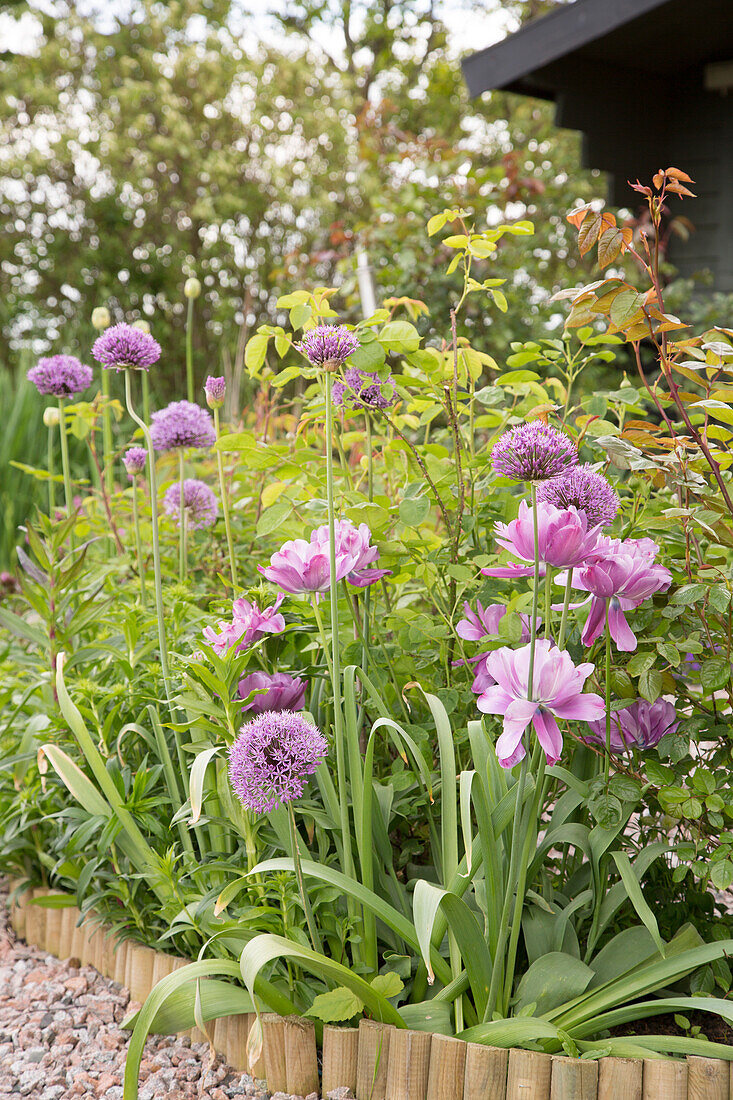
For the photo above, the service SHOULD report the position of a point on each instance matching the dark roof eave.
(510, 63)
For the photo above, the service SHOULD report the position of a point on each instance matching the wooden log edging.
(376, 1061)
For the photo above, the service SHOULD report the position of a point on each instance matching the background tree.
(167, 140)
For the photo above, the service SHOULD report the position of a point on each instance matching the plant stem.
(189, 350)
(535, 592)
(565, 606)
(225, 504)
(338, 728)
(138, 544)
(51, 472)
(162, 642)
(107, 436)
(181, 519)
(146, 397)
(68, 495)
(309, 919)
(607, 764)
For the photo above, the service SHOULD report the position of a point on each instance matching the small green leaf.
(414, 510)
(399, 336)
(714, 673)
(389, 985)
(337, 1005)
(650, 685)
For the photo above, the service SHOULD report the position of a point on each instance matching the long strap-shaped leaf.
(428, 898)
(642, 1009)
(146, 857)
(381, 909)
(267, 947)
(206, 968)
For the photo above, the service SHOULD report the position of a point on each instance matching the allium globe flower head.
(182, 424)
(272, 758)
(565, 540)
(300, 566)
(249, 624)
(620, 574)
(199, 503)
(328, 346)
(584, 489)
(557, 692)
(533, 452)
(215, 389)
(134, 460)
(60, 376)
(363, 390)
(640, 726)
(276, 691)
(126, 347)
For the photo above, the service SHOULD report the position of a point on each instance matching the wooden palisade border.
(376, 1061)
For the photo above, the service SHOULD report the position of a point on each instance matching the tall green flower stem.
(189, 350)
(107, 436)
(182, 563)
(309, 919)
(225, 502)
(565, 606)
(502, 974)
(158, 578)
(65, 466)
(607, 764)
(51, 475)
(146, 397)
(367, 595)
(138, 543)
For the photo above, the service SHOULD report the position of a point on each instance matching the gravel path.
(60, 1037)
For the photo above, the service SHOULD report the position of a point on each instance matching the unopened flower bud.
(51, 417)
(215, 389)
(142, 325)
(101, 318)
(192, 288)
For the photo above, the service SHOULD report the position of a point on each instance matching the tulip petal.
(548, 735)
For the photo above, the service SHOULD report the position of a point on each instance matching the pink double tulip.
(557, 692)
(300, 566)
(565, 540)
(248, 625)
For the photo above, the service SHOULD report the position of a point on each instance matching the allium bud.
(101, 318)
(51, 417)
(144, 326)
(215, 389)
(192, 288)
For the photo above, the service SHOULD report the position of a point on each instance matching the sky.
(469, 30)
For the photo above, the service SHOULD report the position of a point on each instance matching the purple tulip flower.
(640, 726)
(620, 574)
(281, 691)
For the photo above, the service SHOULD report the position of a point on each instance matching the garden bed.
(374, 1061)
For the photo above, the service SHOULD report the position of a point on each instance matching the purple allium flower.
(182, 424)
(585, 489)
(199, 503)
(300, 566)
(248, 625)
(328, 346)
(533, 452)
(272, 758)
(622, 574)
(565, 539)
(557, 693)
(363, 390)
(640, 726)
(134, 460)
(124, 347)
(278, 691)
(215, 389)
(60, 375)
